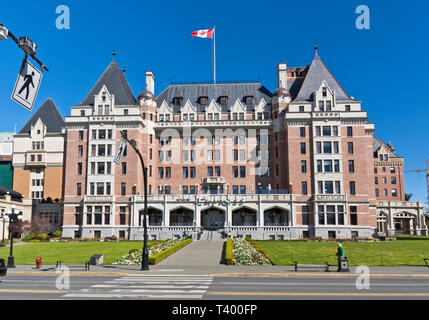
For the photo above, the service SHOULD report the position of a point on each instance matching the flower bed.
(246, 254)
(136, 257)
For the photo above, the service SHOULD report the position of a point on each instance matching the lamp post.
(4, 219)
(145, 252)
(13, 216)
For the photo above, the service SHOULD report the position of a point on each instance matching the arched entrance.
(244, 217)
(154, 217)
(213, 219)
(276, 217)
(404, 223)
(382, 222)
(181, 217)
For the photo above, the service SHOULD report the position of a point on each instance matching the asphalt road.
(196, 287)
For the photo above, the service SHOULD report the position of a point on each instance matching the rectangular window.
(160, 173)
(349, 131)
(330, 210)
(321, 214)
(337, 187)
(327, 147)
(242, 189)
(304, 187)
(326, 131)
(392, 170)
(101, 134)
(124, 168)
(394, 193)
(100, 188)
(351, 166)
(242, 172)
(303, 166)
(217, 171)
(192, 172)
(328, 165)
(319, 166)
(393, 180)
(235, 172)
(318, 132)
(79, 189)
(123, 188)
(235, 189)
(210, 171)
(80, 135)
(335, 131)
(336, 147)
(329, 187)
(79, 168)
(353, 216)
(350, 147)
(167, 172)
(336, 165)
(185, 172)
(352, 187)
(377, 193)
(302, 131)
(318, 147)
(79, 150)
(122, 219)
(303, 150)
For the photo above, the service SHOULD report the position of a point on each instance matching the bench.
(85, 266)
(324, 267)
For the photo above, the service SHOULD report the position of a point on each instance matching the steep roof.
(234, 91)
(49, 115)
(114, 80)
(377, 143)
(318, 73)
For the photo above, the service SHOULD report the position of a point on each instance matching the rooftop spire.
(316, 47)
(113, 54)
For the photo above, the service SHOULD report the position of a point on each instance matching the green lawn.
(390, 253)
(70, 252)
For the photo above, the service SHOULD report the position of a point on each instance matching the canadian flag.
(208, 33)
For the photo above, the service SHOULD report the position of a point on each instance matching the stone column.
(260, 214)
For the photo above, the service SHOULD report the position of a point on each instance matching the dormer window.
(324, 92)
(167, 117)
(249, 99)
(204, 100)
(223, 99)
(178, 99)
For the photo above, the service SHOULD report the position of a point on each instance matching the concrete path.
(198, 253)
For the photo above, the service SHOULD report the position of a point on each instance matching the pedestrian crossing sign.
(27, 85)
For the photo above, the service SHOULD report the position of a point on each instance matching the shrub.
(28, 237)
(410, 237)
(42, 236)
(229, 254)
(156, 258)
(58, 234)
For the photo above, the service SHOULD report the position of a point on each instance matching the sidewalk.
(222, 270)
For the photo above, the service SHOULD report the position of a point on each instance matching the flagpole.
(214, 49)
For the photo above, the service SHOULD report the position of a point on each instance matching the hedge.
(229, 254)
(156, 258)
(410, 237)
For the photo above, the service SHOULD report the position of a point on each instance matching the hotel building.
(234, 158)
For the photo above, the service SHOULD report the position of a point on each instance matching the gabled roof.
(115, 82)
(49, 115)
(234, 91)
(318, 73)
(377, 143)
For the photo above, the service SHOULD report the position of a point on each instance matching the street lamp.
(14, 216)
(4, 219)
(145, 253)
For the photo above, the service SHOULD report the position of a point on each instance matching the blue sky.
(385, 67)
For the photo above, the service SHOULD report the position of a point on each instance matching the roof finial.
(113, 54)
(316, 47)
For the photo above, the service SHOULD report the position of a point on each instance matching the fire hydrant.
(38, 262)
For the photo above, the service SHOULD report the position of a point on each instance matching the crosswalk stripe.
(174, 287)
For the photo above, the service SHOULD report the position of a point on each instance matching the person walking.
(340, 254)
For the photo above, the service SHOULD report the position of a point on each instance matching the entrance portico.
(213, 219)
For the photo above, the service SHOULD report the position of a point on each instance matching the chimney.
(282, 75)
(150, 82)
